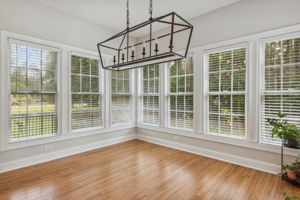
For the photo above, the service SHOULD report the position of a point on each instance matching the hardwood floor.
(140, 170)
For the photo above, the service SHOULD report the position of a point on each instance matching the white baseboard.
(242, 161)
(246, 162)
(8, 166)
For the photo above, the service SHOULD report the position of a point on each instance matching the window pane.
(121, 97)
(214, 62)
(238, 104)
(214, 102)
(150, 95)
(214, 82)
(239, 59)
(226, 60)
(226, 81)
(291, 77)
(85, 64)
(273, 78)
(32, 70)
(282, 74)
(173, 84)
(214, 123)
(85, 83)
(239, 80)
(95, 67)
(86, 94)
(181, 103)
(227, 76)
(48, 83)
(34, 80)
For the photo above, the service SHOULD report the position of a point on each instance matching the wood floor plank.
(140, 170)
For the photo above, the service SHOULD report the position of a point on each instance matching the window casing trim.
(192, 53)
(205, 54)
(101, 91)
(140, 95)
(9, 91)
(284, 35)
(131, 121)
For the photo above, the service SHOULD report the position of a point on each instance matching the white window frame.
(5, 93)
(206, 86)
(261, 72)
(101, 91)
(131, 122)
(57, 92)
(141, 95)
(167, 96)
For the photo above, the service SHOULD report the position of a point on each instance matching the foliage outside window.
(33, 91)
(226, 92)
(86, 93)
(181, 99)
(150, 95)
(121, 97)
(281, 88)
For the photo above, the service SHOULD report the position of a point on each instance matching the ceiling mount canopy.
(128, 53)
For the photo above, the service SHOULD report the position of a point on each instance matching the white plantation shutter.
(150, 95)
(33, 91)
(181, 98)
(226, 92)
(281, 90)
(121, 97)
(86, 93)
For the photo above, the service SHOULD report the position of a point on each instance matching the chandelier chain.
(128, 19)
(151, 8)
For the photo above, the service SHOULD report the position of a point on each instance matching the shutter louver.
(281, 92)
(121, 97)
(181, 99)
(150, 95)
(33, 91)
(227, 86)
(86, 94)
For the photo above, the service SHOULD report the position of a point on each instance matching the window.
(181, 102)
(281, 88)
(33, 91)
(121, 97)
(86, 93)
(150, 95)
(226, 92)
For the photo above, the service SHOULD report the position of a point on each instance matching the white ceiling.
(112, 13)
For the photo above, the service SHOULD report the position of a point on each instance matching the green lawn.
(39, 124)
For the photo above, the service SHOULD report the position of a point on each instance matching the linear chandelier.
(128, 53)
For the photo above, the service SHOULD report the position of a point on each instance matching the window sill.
(222, 139)
(62, 137)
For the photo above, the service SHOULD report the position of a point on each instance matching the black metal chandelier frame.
(124, 55)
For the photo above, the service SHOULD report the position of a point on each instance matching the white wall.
(243, 18)
(22, 157)
(34, 19)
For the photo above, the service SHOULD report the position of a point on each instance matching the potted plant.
(293, 170)
(289, 133)
(287, 196)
